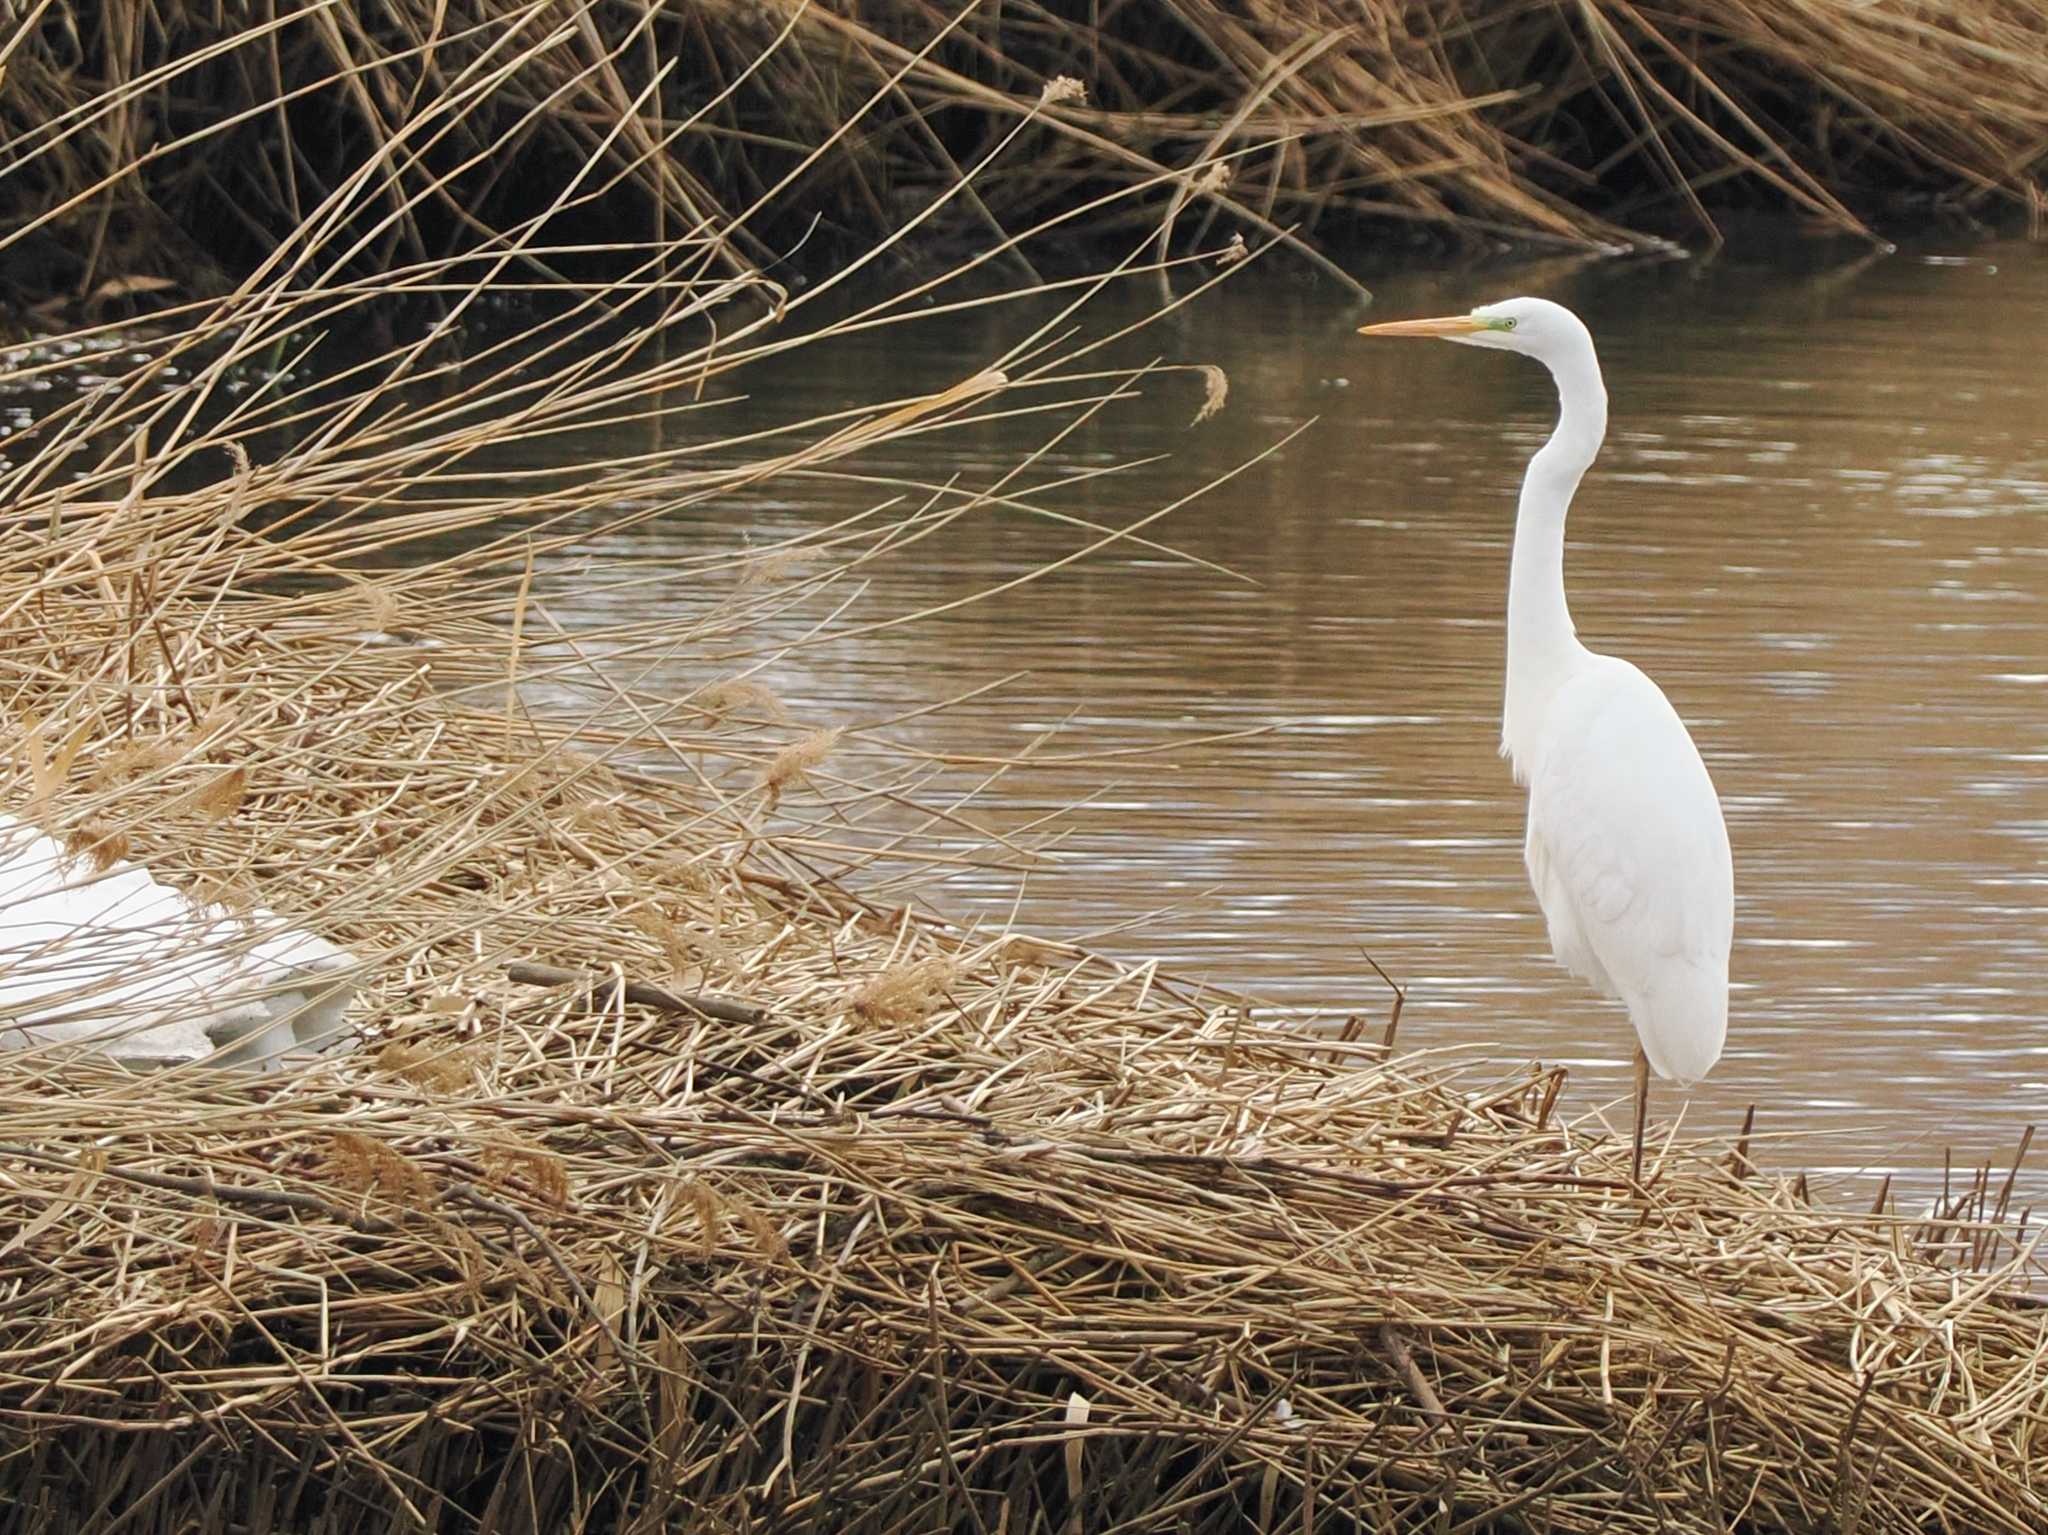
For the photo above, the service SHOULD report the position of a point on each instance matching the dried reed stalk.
(927, 1228)
(148, 149)
(958, 1231)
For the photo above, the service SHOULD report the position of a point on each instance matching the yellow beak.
(1449, 325)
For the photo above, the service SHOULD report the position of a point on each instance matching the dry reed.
(154, 149)
(908, 1227)
(682, 1178)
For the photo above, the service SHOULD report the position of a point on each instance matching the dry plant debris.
(152, 149)
(946, 1229)
(928, 1228)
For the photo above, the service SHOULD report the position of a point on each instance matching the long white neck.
(1543, 649)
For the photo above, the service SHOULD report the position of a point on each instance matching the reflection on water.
(1821, 522)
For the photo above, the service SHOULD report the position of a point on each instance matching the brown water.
(1820, 521)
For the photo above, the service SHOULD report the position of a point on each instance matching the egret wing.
(1629, 856)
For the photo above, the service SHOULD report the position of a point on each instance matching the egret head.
(1534, 327)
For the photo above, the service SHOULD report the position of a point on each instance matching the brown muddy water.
(1820, 522)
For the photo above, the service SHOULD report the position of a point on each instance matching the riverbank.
(907, 1223)
(687, 1168)
(152, 154)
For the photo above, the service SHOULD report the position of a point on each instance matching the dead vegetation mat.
(684, 1170)
(183, 145)
(676, 1179)
(958, 1231)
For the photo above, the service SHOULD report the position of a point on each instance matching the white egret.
(113, 959)
(1626, 846)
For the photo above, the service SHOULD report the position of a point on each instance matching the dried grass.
(154, 149)
(905, 1227)
(795, 762)
(906, 992)
(944, 1230)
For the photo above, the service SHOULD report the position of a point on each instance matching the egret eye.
(1507, 324)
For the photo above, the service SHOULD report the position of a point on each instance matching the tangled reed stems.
(684, 1170)
(158, 146)
(674, 1180)
(677, 1183)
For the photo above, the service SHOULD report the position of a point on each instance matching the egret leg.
(1642, 1108)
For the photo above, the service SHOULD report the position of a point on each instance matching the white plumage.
(1633, 878)
(1626, 846)
(116, 961)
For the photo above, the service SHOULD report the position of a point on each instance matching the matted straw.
(677, 1175)
(675, 1180)
(149, 149)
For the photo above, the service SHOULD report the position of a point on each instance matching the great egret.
(110, 958)
(1626, 847)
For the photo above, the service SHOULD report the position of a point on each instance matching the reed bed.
(178, 147)
(683, 1168)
